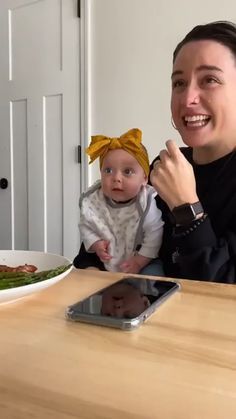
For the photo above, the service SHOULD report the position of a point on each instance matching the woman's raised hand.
(173, 177)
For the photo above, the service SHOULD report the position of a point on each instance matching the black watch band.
(187, 213)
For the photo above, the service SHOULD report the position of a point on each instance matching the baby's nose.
(117, 177)
(117, 302)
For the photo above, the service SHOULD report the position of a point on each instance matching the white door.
(39, 125)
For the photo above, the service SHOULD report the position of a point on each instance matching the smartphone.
(126, 304)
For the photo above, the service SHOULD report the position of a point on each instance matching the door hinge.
(79, 153)
(78, 8)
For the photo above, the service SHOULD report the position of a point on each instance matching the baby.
(119, 220)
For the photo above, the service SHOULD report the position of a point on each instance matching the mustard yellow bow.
(131, 142)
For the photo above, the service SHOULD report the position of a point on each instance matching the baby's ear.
(145, 180)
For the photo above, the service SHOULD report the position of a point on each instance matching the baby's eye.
(107, 170)
(128, 171)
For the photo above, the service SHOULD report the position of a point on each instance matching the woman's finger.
(164, 155)
(173, 149)
(155, 165)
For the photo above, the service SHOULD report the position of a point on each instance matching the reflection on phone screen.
(127, 298)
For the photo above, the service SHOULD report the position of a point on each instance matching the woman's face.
(203, 102)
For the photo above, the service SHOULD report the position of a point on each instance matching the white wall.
(131, 46)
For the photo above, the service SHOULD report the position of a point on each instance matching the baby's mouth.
(196, 120)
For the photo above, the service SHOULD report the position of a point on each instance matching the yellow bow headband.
(131, 142)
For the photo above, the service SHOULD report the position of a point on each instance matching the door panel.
(19, 163)
(39, 116)
(36, 38)
(54, 172)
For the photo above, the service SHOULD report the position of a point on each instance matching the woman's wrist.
(187, 213)
(185, 230)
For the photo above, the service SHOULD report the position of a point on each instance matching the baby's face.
(121, 175)
(123, 300)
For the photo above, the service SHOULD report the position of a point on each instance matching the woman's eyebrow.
(209, 67)
(200, 68)
(176, 73)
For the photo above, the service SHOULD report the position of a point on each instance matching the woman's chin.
(196, 139)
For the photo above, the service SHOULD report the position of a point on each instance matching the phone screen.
(125, 299)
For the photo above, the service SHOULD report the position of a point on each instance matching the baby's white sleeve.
(88, 229)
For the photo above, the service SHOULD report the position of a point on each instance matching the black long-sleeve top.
(208, 251)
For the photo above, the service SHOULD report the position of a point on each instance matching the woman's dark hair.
(220, 31)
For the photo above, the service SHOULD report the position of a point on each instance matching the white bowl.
(43, 261)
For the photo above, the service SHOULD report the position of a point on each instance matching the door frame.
(85, 87)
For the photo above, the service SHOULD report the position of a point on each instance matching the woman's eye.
(210, 80)
(108, 170)
(178, 84)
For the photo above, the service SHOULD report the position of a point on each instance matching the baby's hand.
(134, 264)
(130, 266)
(100, 247)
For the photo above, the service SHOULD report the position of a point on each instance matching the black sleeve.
(151, 167)
(203, 256)
(85, 259)
(199, 252)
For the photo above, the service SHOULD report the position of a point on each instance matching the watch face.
(184, 214)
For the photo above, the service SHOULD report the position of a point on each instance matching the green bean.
(9, 284)
(30, 278)
(51, 272)
(11, 274)
(16, 280)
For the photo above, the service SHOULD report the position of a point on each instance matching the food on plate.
(21, 268)
(12, 279)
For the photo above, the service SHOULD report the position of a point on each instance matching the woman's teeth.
(196, 120)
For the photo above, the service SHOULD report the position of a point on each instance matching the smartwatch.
(187, 213)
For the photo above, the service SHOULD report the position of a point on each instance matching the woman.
(197, 184)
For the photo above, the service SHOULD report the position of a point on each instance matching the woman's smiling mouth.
(196, 121)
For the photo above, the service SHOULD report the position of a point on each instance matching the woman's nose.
(191, 96)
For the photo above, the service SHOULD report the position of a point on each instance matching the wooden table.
(180, 365)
